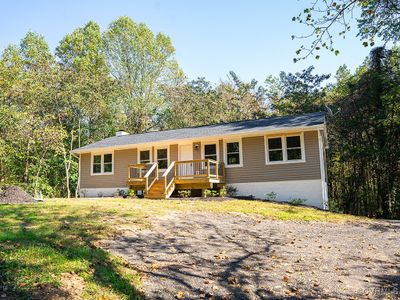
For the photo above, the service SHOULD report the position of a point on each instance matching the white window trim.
(203, 146)
(156, 155)
(239, 140)
(284, 149)
(102, 163)
(144, 149)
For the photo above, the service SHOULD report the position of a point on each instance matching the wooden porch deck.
(188, 174)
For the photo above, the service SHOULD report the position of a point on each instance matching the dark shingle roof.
(220, 129)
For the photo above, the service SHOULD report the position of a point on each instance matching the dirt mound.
(14, 194)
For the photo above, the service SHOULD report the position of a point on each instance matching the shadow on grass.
(36, 249)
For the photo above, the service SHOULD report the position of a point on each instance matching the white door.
(185, 153)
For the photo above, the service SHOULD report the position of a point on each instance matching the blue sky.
(252, 38)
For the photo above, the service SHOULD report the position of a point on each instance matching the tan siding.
(255, 170)
(197, 153)
(122, 158)
(173, 152)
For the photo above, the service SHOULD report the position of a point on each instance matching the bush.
(211, 193)
(131, 193)
(222, 192)
(231, 191)
(184, 193)
(271, 196)
(297, 201)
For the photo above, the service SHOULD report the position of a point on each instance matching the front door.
(185, 153)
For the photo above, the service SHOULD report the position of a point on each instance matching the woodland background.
(127, 77)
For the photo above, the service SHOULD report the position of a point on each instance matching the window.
(162, 158)
(293, 146)
(233, 154)
(102, 164)
(275, 150)
(210, 151)
(107, 166)
(144, 157)
(287, 148)
(97, 164)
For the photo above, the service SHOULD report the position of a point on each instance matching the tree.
(364, 168)
(200, 103)
(240, 100)
(87, 102)
(376, 19)
(142, 62)
(297, 93)
(83, 50)
(190, 104)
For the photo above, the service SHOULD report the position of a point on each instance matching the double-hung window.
(144, 156)
(286, 148)
(162, 158)
(293, 147)
(102, 164)
(275, 149)
(233, 151)
(210, 151)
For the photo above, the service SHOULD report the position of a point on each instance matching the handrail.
(167, 172)
(150, 170)
(150, 173)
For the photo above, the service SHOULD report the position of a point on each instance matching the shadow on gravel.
(386, 225)
(191, 263)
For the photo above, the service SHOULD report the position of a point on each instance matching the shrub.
(184, 193)
(297, 201)
(222, 192)
(211, 193)
(131, 193)
(271, 196)
(207, 193)
(231, 191)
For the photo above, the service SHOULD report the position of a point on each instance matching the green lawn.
(39, 243)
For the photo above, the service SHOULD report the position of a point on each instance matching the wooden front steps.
(156, 191)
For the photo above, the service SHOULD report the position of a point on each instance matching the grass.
(41, 242)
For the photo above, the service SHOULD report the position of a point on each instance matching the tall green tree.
(297, 93)
(365, 139)
(87, 101)
(142, 62)
(83, 50)
(200, 103)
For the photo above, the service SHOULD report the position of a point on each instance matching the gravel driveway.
(233, 256)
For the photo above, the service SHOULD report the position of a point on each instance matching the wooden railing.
(204, 168)
(136, 173)
(143, 174)
(169, 176)
(151, 176)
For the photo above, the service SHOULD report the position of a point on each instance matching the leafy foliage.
(376, 19)
(365, 136)
(297, 93)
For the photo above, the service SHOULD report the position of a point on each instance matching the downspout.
(322, 161)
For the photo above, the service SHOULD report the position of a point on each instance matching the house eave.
(204, 138)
